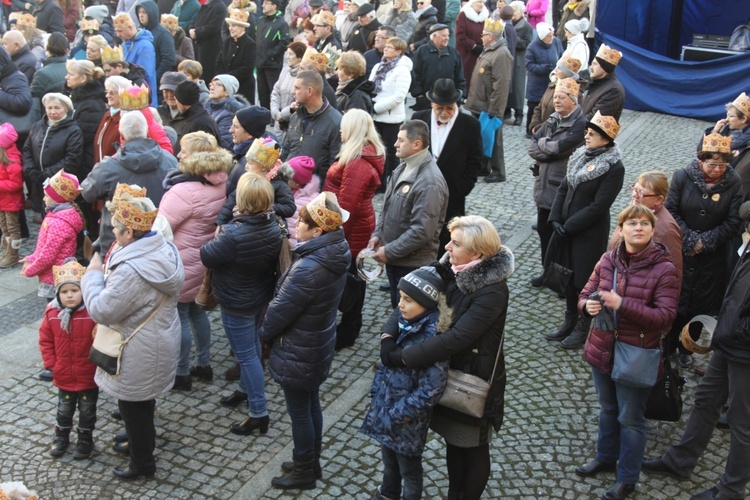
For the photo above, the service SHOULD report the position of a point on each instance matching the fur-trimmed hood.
(497, 268)
(474, 16)
(207, 162)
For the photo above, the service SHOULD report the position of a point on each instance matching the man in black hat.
(368, 23)
(271, 38)
(456, 145)
(433, 61)
(248, 124)
(193, 117)
(168, 110)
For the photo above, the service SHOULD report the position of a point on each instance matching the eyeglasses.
(638, 192)
(635, 223)
(715, 165)
(390, 47)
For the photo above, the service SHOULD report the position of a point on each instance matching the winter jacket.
(354, 184)
(741, 151)
(544, 109)
(244, 258)
(26, 62)
(67, 353)
(108, 133)
(430, 65)
(732, 333)
(525, 34)
(50, 77)
(89, 107)
(491, 80)
(403, 398)
(711, 215)
(316, 135)
(389, 104)
(541, 59)
(360, 35)
(357, 94)
(536, 10)
(49, 17)
(207, 42)
(302, 197)
(141, 162)
(583, 210)
(140, 277)
(300, 322)
(188, 10)
(56, 242)
(580, 10)
(403, 22)
(194, 197)
(11, 182)
(271, 39)
(163, 42)
(413, 213)
(238, 59)
(71, 10)
(15, 97)
(223, 113)
(469, 28)
(283, 200)
(649, 290)
(421, 34)
(141, 50)
(605, 95)
(281, 98)
(331, 40)
(578, 48)
(193, 119)
(183, 47)
(551, 146)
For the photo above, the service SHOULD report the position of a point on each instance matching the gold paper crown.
(134, 98)
(130, 191)
(122, 20)
(70, 272)
(326, 219)
(716, 143)
(569, 86)
(571, 63)
(606, 124)
(133, 217)
(112, 55)
(494, 27)
(333, 54)
(239, 17)
(26, 20)
(169, 21)
(742, 103)
(89, 25)
(264, 154)
(314, 58)
(64, 185)
(324, 17)
(608, 54)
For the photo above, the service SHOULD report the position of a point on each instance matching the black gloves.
(387, 345)
(534, 169)
(394, 359)
(477, 49)
(560, 229)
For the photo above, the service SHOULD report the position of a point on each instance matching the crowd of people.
(131, 132)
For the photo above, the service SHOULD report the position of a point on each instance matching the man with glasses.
(324, 22)
(375, 54)
(433, 61)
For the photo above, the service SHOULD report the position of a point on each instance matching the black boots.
(182, 383)
(61, 442)
(317, 470)
(248, 426)
(205, 373)
(568, 325)
(578, 337)
(84, 446)
(302, 476)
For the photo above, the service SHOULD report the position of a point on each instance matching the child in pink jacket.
(11, 195)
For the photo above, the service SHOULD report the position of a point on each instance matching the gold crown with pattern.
(325, 218)
(606, 124)
(127, 214)
(569, 86)
(122, 20)
(333, 54)
(134, 98)
(112, 55)
(264, 153)
(609, 54)
(315, 59)
(26, 20)
(324, 17)
(239, 17)
(494, 27)
(64, 185)
(70, 272)
(742, 103)
(716, 143)
(169, 21)
(88, 26)
(569, 62)
(129, 191)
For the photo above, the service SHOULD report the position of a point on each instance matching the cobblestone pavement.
(551, 411)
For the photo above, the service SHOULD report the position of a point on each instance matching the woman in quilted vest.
(636, 303)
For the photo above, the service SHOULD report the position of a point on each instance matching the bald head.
(13, 41)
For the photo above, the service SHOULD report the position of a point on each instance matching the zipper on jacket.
(41, 152)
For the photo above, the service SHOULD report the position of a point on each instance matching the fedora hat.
(444, 92)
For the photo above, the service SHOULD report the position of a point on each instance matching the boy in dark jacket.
(403, 398)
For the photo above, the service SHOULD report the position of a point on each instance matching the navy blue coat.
(301, 320)
(15, 96)
(166, 57)
(541, 59)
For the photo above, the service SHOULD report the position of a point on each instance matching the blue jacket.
(406, 393)
(541, 59)
(140, 50)
(223, 113)
(163, 41)
(301, 320)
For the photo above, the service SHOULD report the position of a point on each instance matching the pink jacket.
(56, 242)
(11, 182)
(536, 10)
(302, 197)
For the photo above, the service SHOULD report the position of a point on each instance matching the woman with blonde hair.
(355, 91)
(354, 178)
(94, 47)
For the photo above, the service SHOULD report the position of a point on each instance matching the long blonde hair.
(358, 129)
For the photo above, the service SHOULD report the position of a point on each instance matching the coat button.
(705, 196)
(703, 212)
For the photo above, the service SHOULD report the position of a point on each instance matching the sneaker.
(46, 375)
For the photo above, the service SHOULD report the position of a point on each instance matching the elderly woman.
(566, 67)
(223, 104)
(524, 35)
(353, 178)
(402, 19)
(347, 21)
(354, 90)
(136, 294)
(299, 324)
(249, 6)
(392, 77)
(243, 258)
(580, 218)
(737, 126)
(55, 143)
(475, 270)
(194, 195)
(282, 95)
(705, 199)
(183, 46)
(577, 48)
(469, 27)
(637, 287)
(237, 56)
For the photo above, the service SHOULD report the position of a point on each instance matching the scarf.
(585, 165)
(342, 85)
(383, 70)
(464, 267)
(293, 70)
(65, 314)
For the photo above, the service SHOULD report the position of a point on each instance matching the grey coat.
(140, 276)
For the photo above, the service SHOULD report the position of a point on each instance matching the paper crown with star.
(112, 55)
(134, 98)
(264, 153)
(716, 143)
(69, 272)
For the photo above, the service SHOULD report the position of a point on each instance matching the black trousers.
(266, 80)
(139, 423)
(350, 306)
(388, 133)
(543, 229)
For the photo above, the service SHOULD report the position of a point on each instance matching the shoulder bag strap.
(150, 317)
(497, 358)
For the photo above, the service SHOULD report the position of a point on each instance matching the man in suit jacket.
(456, 145)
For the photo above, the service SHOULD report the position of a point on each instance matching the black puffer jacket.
(283, 201)
(89, 108)
(732, 334)
(243, 257)
(301, 319)
(207, 43)
(237, 58)
(357, 94)
(194, 119)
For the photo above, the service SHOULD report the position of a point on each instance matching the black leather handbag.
(665, 400)
(556, 274)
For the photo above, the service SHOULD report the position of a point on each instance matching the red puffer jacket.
(650, 291)
(354, 184)
(11, 181)
(67, 353)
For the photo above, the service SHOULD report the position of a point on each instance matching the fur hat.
(423, 285)
(303, 167)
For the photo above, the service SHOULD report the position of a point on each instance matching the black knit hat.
(187, 93)
(423, 285)
(254, 120)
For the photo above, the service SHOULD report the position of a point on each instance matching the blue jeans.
(397, 467)
(395, 273)
(622, 426)
(191, 314)
(307, 420)
(242, 332)
(66, 408)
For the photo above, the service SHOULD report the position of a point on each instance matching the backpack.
(740, 39)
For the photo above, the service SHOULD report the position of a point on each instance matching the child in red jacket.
(65, 339)
(11, 195)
